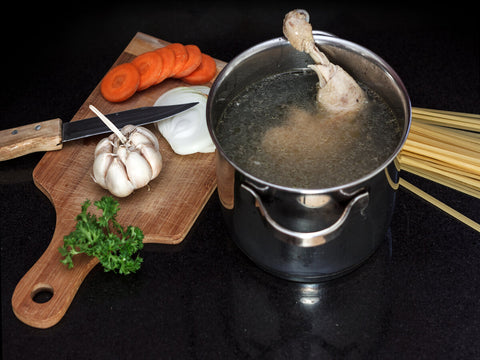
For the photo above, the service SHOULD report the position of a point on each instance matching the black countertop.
(416, 297)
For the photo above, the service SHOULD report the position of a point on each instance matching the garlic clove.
(122, 153)
(128, 129)
(138, 169)
(117, 180)
(153, 157)
(148, 135)
(100, 167)
(115, 141)
(136, 139)
(104, 146)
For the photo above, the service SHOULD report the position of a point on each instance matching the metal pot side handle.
(315, 238)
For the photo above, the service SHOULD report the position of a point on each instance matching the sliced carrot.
(193, 61)
(149, 65)
(168, 57)
(181, 56)
(120, 83)
(204, 73)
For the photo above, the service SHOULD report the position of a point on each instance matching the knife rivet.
(38, 127)
(14, 132)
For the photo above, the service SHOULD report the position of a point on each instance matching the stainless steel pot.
(307, 234)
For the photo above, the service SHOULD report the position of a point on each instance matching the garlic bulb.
(123, 166)
(187, 132)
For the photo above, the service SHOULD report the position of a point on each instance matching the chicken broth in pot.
(307, 196)
(275, 130)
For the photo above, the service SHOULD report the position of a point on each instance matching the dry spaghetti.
(444, 147)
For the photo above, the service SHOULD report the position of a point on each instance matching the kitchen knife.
(51, 134)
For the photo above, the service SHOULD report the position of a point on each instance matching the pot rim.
(318, 35)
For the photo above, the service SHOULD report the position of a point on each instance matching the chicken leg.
(338, 93)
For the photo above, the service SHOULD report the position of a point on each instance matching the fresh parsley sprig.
(104, 238)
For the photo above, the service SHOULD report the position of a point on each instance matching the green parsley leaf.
(104, 238)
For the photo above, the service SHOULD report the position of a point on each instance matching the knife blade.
(51, 134)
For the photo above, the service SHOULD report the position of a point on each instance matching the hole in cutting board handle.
(42, 293)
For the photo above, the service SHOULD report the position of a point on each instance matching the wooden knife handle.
(23, 140)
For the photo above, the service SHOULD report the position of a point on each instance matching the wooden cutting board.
(165, 210)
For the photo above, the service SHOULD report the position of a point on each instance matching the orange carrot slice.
(149, 65)
(168, 57)
(120, 83)
(181, 57)
(193, 61)
(204, 73)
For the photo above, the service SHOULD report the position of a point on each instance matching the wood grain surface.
(165, 210)
(42, 136)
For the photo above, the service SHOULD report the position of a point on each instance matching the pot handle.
(315, 238)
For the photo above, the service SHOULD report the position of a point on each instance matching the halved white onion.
(187, 132)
